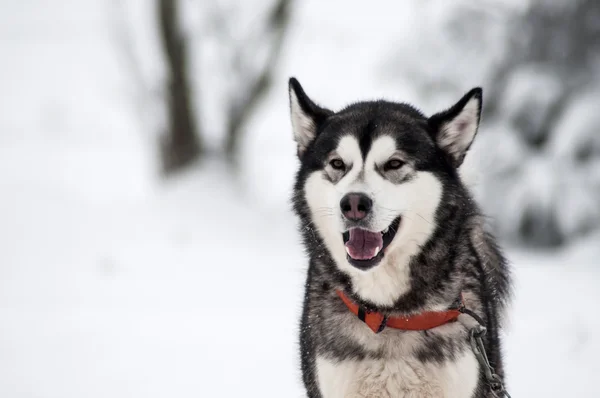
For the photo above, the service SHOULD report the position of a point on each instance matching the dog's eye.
(337, 164)
(393, 164)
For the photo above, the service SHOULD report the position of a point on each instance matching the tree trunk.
(181, 144)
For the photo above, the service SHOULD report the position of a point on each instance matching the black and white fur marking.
(406, 164)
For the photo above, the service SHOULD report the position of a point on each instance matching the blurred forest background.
(146, 163)
(539, 65)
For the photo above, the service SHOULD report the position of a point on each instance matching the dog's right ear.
(306, 116)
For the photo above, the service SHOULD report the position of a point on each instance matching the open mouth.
(364, 248)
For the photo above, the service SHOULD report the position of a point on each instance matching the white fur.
(398, 373)
(457, 135)
(397, 378)
(416, 200)
(302, 125)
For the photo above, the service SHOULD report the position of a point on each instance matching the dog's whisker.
(420, 216)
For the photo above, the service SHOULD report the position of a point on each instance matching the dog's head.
(372, 177)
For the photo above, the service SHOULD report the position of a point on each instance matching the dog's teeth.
(348, 251)
(385, 230)
(376, 251)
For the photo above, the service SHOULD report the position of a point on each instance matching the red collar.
(423, 321)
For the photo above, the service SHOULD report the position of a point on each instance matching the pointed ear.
(306, 116)
(454, 129)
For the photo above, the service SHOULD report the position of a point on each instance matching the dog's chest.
(397, 378)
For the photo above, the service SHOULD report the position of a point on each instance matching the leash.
(476, 339)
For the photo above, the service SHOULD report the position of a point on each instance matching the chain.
(494, 381)
(476, 339)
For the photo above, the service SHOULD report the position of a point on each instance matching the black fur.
(460, 256)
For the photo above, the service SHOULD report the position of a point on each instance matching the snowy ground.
(155, 298)
(115, 285)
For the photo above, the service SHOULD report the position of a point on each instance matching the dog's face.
(371, 179)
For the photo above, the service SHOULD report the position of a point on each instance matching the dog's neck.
(421, 296)
(378, 321)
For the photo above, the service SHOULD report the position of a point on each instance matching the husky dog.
(393, 234)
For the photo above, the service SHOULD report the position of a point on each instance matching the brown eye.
(393, 164)
(337, 164)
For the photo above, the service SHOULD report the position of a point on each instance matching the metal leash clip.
(494, 381)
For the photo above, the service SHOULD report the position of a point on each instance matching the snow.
(114, 283)
(552, 340)
(528, 97)
(146, 298)
(581, 119)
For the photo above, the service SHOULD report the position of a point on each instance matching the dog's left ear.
(307, 116)
(454, 129)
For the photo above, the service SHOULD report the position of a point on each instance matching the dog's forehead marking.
(382, 148)
(349, 150)
(366, 139)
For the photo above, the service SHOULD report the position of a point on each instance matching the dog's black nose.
(356, 206)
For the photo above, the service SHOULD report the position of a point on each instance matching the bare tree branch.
(242, 108)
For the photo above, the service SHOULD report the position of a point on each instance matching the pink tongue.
(362, 244)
